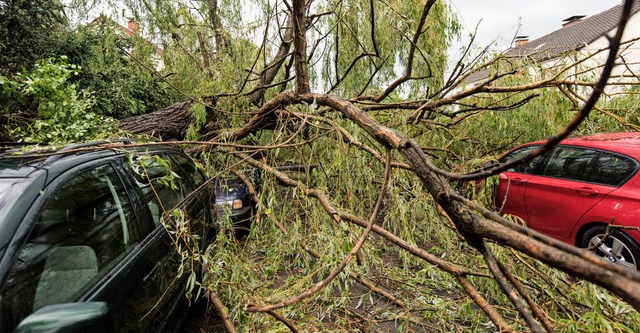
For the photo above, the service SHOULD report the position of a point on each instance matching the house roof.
(571, 37)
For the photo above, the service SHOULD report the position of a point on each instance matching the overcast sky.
(504, 19)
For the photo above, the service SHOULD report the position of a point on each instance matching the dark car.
(585, 192)
(88, 235)
(234, 201)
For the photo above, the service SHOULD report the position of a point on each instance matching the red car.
(575, 191)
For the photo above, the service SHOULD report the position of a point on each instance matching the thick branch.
(216, 26)
(503, 282)
(269, 74)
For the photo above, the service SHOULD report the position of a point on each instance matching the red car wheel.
(616, 247)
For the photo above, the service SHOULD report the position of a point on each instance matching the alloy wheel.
(612, 249)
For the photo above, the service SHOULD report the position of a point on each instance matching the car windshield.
(10, 190)
(7, 188)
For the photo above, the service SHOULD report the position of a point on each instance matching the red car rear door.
(556, 200)
(554, 206)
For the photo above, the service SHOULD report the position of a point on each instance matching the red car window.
(571, 163)
(612, 169)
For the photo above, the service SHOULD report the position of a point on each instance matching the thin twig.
(222, 311)
(494, 267)
(321, 285)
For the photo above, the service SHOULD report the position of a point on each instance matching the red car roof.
(627, 143)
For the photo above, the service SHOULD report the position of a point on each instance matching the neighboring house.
(579, 38)
(132, 30)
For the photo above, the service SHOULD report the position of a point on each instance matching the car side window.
(528, 167)
(612, 169)
(162, 187)
(82, 232)
(573, 163)
(189, 168)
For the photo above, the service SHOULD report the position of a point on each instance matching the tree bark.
(217, 28)
(169, 123)
(205, 53)
(301, 65)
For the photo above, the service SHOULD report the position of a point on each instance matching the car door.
(200, 201)
(83, 234)
(509, 195)
(557, 199)
(167, 198)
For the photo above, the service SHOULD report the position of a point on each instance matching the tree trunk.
(300, 46)
(169, 123)
(217, 28)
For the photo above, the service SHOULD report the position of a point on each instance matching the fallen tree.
(366, 124)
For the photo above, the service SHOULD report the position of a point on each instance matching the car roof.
(24, 162)
(627, 143)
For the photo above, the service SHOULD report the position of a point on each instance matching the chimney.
(132, 26)
(521, 40)
(572, 20)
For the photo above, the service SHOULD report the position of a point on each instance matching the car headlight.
(236, 204)
(230, 204)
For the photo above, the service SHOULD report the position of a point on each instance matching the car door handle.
(587, 191)
(518, 180)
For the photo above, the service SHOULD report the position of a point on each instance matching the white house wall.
(630, 53)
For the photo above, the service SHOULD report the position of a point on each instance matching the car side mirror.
(67, 318)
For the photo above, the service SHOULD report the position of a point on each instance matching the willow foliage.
(381, 34)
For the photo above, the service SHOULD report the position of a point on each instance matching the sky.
(502, 20)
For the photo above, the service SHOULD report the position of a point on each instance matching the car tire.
(617, 247)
